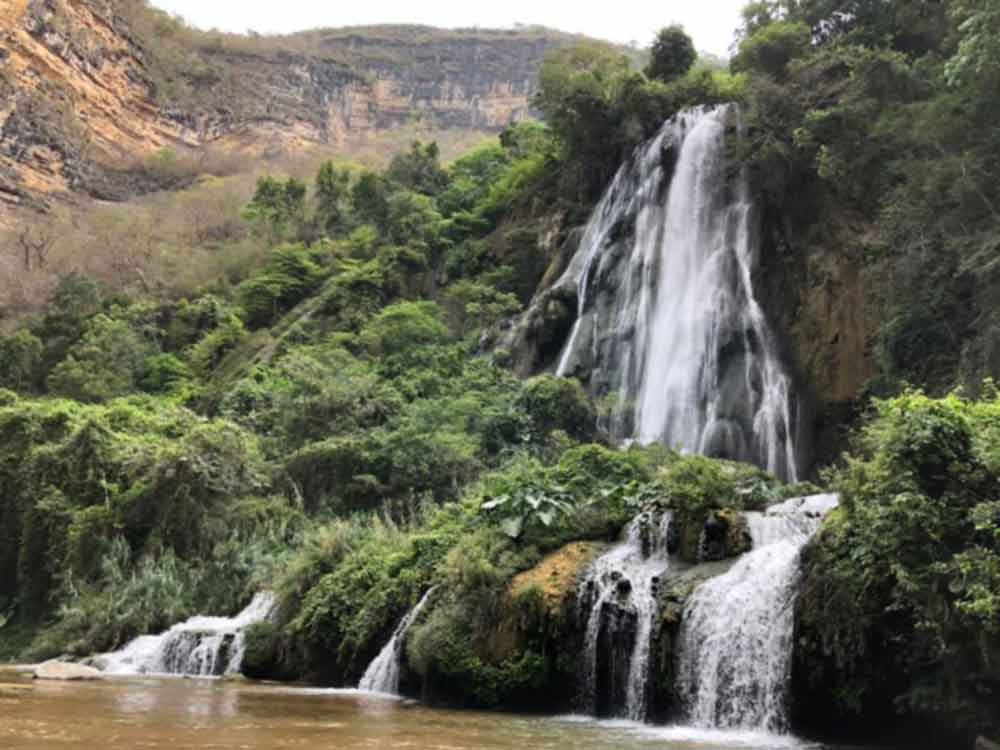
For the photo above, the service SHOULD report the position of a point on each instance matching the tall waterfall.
(382, 675)
(735, 643)
(201, 646)
(668, 325)
(619, 602)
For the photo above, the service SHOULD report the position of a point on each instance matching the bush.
(105, 364)
(900, 606)
(559, 404)
(20, 361)
(291, 274)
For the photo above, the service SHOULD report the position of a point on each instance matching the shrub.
(20, 361)
(104, 364)
(900, 606)
(291, 274)
(558, 404)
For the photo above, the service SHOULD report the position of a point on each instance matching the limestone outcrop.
(88, 87)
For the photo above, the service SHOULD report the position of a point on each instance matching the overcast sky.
(710, 22)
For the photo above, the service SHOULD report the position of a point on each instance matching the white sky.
(710, 22)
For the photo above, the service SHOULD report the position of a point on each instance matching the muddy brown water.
(182, 714)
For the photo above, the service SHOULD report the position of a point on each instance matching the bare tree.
(34, 241)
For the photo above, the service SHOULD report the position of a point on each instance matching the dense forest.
(308, 389)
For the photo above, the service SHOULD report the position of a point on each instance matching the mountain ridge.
(92, 86)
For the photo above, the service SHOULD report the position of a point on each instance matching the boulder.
(66, 671)
(984, 744)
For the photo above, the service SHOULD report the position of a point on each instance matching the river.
(182, 714)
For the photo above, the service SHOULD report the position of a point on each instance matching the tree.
(278, 206)
(672, 54)
(104, 364)
(578, 87)
(369, 199)
(978, 55)
(34, 241)
(20, 360)
(331, 190)
(772, 47)
(419, 170)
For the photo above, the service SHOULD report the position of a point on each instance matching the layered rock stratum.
(89, 86)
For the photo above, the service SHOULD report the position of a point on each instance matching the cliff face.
(825, 303)
(82, 90)
(74, 85)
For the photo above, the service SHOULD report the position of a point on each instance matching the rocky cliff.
(86, 86)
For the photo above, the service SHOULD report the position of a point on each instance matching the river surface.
(178, 714)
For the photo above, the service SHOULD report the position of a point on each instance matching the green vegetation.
(322, 414)
(901, 612)
(885, 112)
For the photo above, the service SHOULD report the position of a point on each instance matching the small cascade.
(668, 326)
(618, 604)
(201, 646)
(382, 675)
(735, 644)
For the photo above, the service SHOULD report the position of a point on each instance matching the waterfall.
(667, 322)
(201, 646)
(735, 643)
(619, 603)
(382, 675)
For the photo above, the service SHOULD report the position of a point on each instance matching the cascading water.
(619, 603)
(667, 323)
(201, 646)
(382, 675)
(735, 643)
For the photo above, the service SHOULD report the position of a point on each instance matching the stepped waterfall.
(382, 675)
(667, 323)
(201, 646)
(619, 605)
(670, 333)
(736, 634)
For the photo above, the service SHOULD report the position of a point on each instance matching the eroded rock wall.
(79, 96)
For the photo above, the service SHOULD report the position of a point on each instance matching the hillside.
(91, 87)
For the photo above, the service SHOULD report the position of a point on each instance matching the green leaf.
(547, 517)
(513, 526)
(495, 502)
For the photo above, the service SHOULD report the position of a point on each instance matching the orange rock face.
(78, 93)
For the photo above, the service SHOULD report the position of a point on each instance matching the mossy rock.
(673, 594)
(539, 599)
(737, 539)
(719, 535)
(557, 575)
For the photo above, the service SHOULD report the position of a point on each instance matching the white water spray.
(620, 585)
(201, 646)
(382, 675)
(668, 323)
(735, 643)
